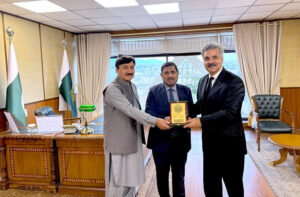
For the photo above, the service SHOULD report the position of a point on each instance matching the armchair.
(268, 112)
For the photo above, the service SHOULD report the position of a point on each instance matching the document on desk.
(11, 122)
(49, 124)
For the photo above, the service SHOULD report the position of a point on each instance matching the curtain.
(258, 51)
(93, 53)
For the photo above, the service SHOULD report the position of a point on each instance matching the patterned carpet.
(149, 188)
(283, 178)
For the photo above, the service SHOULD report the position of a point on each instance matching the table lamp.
(86, 108)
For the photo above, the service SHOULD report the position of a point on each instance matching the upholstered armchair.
(268, 112)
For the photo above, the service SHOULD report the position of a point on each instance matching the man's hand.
(167, 118)
(162, 124)
(193, 123)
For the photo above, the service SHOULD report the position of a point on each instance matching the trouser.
(163, 162)
(111, 189)
(225, 163)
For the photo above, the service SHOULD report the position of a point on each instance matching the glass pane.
(191, 69)
(147, 74)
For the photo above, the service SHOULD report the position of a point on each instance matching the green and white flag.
(14, 95)
(66, 90)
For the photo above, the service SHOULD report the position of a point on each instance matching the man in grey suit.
(123, 132)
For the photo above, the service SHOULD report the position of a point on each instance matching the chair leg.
(258, 140)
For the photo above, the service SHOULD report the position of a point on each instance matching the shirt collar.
(174, 87)
(123, 82)
(217, 74)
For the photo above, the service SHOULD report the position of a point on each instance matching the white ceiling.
(89, 16)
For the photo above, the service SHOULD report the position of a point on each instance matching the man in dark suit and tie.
(170, 147)
(220, 96)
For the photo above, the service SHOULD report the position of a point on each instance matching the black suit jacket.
(158, 105)
(221, 112)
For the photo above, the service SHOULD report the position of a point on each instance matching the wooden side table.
(289, 143)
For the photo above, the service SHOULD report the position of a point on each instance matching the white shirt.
(215, 76)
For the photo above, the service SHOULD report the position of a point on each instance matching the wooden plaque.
(178, 113)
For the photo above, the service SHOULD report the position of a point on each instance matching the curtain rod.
(171, 31)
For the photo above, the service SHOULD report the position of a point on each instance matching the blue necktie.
(171, 96)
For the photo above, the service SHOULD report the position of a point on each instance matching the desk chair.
(268, 112)
(47, 110)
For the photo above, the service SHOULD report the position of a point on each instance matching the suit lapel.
(180, 93)
(202, 87)
(164, 95)
(217, 83)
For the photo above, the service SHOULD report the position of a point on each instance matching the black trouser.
(176, 160)
(228, 166)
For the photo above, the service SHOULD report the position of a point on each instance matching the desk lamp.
(86, 108)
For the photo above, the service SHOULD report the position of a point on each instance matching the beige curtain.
(93, 53)
(258, 50)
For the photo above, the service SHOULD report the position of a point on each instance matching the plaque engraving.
(178, 113)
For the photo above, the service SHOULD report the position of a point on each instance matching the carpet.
(283, 178)
(149, 188)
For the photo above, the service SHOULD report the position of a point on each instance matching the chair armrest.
(255, 114)
(256, 118)
(292, 117)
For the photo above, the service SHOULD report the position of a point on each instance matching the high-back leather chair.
(268, 112)
(47, 110)
(44, 111)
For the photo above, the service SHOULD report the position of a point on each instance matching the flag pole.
(14, 94)
(10, 33)
(64, 43)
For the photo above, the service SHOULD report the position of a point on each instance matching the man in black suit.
(220, 96)
(170, 147)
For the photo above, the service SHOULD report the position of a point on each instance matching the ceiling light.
(40, 6)
(162, 8)
(117, 3)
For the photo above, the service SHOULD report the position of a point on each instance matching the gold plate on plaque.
(178, 113)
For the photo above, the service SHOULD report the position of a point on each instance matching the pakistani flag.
(66, 91)
(14, 95)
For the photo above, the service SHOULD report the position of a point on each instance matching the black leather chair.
(47, 110)
(44, 111)
(269, 116)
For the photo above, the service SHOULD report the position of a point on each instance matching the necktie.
(171, 96)
(209, 84)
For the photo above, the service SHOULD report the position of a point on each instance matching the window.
(191, 69)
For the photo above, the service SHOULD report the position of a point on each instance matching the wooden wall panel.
(291, 102)
(3, 76)
(33, 106)
(28, 52)
(290, 50)
(52, 53)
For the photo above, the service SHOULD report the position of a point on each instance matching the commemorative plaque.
(178, 113)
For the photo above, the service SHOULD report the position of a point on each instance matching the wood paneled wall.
(291, 102)
(30, 111)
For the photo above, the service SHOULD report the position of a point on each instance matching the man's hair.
(213, 46)
(167, 64)
(124, 60)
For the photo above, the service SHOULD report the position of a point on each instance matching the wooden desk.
(53, 162)
(81, 163)
(28, 161)
(289, 143)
